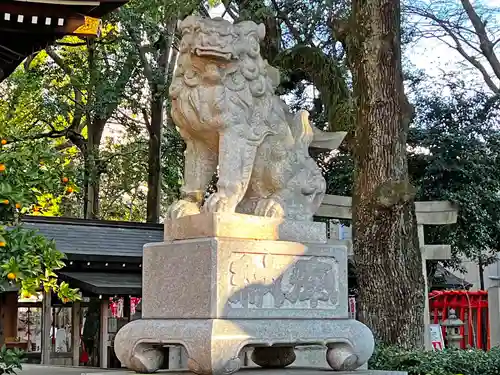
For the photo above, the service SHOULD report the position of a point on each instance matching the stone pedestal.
(216, 288)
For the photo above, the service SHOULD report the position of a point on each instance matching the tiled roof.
(445, 279)
(97, 238)
(105, 283)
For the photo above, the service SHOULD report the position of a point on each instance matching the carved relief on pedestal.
(272, 281)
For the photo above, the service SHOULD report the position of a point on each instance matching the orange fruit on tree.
(4, 141)
(2, 244)
(2, 167)
(65, 179)
(69, 190)
(18, 205)
(11, 276)
(5, 201)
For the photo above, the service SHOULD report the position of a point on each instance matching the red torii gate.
(471, 308)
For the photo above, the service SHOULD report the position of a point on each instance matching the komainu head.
(219, 40)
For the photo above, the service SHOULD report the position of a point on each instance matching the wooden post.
(103, 334)
(126, 307)
(427, 314)
(9, 314)
(494, 311)
(75, 332)
(2, 308)
(432, 213)
(46, 342)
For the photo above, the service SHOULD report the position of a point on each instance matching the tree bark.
(154, 165)
(158, 85)
(91, 155)
(386, 249)
(93, 168)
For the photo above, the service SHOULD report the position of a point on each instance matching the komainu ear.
(273, 74)
(261, 31)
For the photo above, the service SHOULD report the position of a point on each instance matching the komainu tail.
(302, 130)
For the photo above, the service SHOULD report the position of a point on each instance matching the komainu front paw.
(182, 208)
(270, 208)
(218, 202)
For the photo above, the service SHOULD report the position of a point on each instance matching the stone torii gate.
(428, 213)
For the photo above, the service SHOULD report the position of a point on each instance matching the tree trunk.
(158, 89)
(154, 167)
(386, 249)
(93, 168)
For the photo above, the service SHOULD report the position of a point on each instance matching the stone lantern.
(452, 326)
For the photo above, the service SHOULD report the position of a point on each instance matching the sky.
(430, 55)
(433, 56)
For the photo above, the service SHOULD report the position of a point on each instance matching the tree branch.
(474, 62)
(84, 43)
(121, 83)
(485, 44)
(148, 70)
(145, 115)
(104, 162)
(75, 138)
(457, 33)
(60, 62)
(78, 115)
(287, 22)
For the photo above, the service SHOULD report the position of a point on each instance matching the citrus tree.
(29, 172)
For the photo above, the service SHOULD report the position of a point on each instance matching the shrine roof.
(27, 26)
(83, 239)
(105, 283)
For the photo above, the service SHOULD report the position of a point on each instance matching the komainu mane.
(223, 103)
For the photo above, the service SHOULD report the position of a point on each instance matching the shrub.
(447, 362)
(10, 360)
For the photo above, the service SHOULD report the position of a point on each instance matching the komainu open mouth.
(211, 52)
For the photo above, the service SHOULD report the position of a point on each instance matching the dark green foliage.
(453, 155)
(333, 105)
(300, 42)
(172, 164)
(338, 172)
(10, 360)
(447, 362)
(462, 164)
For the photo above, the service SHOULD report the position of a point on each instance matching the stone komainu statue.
(224, 105)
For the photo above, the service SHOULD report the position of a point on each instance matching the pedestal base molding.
(213, 345)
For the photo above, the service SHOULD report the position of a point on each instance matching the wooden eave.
(28, 26)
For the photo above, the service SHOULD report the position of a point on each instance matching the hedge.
(447, 362)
